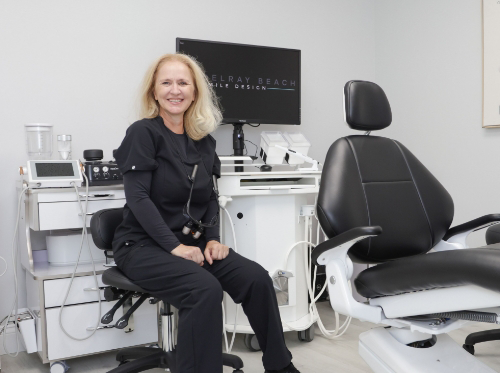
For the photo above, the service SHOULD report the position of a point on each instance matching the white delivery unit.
(265, 208)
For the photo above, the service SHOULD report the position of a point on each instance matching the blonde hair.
(204, 114)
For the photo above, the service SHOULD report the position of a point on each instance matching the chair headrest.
(366, 106)
(103, 225)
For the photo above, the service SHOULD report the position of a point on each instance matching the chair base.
(385, 354)
(145, 358)
(479, 337)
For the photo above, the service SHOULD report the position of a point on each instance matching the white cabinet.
(56, 209)
(76, 319)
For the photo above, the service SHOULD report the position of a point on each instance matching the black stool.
(492, 236)
(137, 359)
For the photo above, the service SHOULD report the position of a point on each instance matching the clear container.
(64, 146)
(268, 152)
(298, 142)
(38, 140)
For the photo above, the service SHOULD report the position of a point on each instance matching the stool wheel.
(251, 342)
(59, 367)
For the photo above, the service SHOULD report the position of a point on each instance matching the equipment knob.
(96, 169)
(105, 168)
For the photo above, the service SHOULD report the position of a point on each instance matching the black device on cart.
(99, 172)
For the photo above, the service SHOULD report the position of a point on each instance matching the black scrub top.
(155, 163)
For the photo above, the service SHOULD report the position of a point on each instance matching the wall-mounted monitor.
(254, 84)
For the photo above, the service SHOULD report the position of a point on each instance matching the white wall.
(429, 62)
(77, 65)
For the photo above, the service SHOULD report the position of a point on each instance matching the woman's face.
(174, 88)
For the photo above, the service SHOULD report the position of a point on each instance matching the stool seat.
(114, 277)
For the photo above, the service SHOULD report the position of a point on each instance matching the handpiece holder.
(314, 162)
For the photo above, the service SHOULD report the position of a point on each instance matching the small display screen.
(54, 169)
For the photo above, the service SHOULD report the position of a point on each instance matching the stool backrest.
(103, 225)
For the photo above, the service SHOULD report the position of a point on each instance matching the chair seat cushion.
(115, 277)
(480, 266)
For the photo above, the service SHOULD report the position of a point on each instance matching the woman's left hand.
(215, 251)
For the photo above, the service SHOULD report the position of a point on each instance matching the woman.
(157, 158)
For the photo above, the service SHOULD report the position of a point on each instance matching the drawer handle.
(95, 289)
(92, 328)
(96, 195)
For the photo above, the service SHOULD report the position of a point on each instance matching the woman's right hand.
(190, 253)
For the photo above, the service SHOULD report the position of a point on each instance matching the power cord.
(6, 266)
(14, 308)
(230, 347)
(83, 211)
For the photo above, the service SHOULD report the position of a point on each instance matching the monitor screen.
(254, 84)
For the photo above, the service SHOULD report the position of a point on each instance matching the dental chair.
(492, 237)
(380, 206)
(138, 359)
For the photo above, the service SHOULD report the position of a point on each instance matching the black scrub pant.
(197, 293)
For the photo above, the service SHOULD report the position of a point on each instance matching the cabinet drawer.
(55, 290)
(66, 215)
(77, 318)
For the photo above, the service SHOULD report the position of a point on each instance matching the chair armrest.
(355, 234)
(338, 268)
(473, 225)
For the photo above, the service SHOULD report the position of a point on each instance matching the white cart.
(266, 211)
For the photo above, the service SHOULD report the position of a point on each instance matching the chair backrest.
(370, 180)
(103, 225)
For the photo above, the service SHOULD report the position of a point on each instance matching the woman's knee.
(259, 277)
(208, 289)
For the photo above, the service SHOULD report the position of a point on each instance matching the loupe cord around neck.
(215, 219)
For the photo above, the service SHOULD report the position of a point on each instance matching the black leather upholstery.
(366, 106)
(115, 277)
(435, 270)
(103, 225)
(375, 181)
(368, 181)
(493, 234)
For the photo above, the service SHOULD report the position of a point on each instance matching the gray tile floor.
(320, 355)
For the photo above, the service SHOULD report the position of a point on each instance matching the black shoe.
(288, 369)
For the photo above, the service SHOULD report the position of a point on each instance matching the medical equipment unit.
(387, 209)
(100, 172)
(268, 220)
(52, 206)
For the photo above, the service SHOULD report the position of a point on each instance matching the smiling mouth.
(175, 101)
